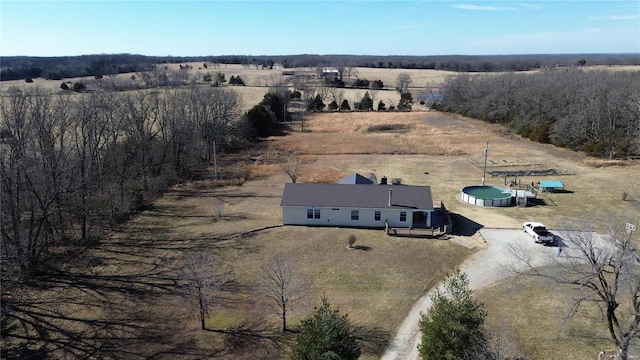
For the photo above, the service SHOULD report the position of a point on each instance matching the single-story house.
(358, 205)
(330, 73)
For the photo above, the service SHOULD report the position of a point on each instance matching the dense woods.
(73, 166)
(595, 111)
(57, 68)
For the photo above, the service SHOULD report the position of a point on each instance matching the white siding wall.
(342, 217)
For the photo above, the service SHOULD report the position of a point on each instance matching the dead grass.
(122, 300)
(446, 152)
(351, 133)
(147, 252)
(535, 317)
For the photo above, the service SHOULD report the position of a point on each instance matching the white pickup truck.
(538, 232)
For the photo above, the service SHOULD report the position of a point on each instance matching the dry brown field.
(259, 80)
(121, 299)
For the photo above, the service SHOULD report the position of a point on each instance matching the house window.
(403, 216)
(313, 213)
(376, 216)
(355, 214)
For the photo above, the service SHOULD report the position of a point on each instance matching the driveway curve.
(495, 263)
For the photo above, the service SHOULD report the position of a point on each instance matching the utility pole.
(215, 161)
(484, 171)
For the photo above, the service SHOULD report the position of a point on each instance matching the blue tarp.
(556, 184)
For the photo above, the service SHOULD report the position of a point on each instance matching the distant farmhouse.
(356, 201)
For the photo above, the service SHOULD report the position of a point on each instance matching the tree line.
(72, 166)
(595, 111)
(57, 68)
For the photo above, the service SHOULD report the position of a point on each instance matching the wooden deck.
(419, 232)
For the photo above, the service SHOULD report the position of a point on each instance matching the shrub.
(79, 87)
(351, 240)
(326, 335)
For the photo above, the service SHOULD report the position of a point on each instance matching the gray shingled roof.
(357, 196)
(355, 178)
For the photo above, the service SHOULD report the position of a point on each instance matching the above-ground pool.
(484, 195)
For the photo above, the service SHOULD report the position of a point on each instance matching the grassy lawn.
(533, 318)
(130, 286)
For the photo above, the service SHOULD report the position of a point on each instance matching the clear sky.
(383, 27)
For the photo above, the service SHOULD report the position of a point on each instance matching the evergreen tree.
(236, 80)
(316, 104)
(406, 99)
(366, 103)
(79, 87)
(452, 329)
(275, 104)
(220, 79)
(333, 106)
(295, 95)
(361, 83)
(376, 85)
(326, 335)
(345, 105)
(261, 121)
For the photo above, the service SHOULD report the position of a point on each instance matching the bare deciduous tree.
(291, 164)
(373, 93)
(201, 280)
(336, 94)
(403, 81)
(349, 71)
(605, 271)
(214, 110)
(283, 284)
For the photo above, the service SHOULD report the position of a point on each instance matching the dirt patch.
(389, 128)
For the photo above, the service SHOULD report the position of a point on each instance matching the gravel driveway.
(486, 267)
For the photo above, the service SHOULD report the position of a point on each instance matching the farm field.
(258, 81)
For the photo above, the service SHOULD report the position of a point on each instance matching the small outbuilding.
(551, 185)
(359, 206)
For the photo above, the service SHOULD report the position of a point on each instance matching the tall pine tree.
(453, 327)
(326, 335)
